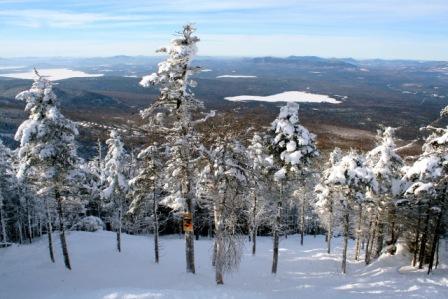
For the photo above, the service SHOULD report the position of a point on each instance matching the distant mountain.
(306, 61)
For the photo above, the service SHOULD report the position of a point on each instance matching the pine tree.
(47, 153)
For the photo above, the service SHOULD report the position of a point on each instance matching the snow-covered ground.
(304, 272)
(236, 76)
(288, 96)
(52, 74)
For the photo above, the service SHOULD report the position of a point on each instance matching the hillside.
(404, 94)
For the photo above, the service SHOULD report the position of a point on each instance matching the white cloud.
(40, 18)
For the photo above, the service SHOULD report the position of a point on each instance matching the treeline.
(273, 183)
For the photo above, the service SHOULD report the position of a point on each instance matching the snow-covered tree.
(426, 186)
(95, 180)
(116, 184)
(146, 188)
(327, 195)
(292, 147)
(47, 153)
(223, 188)
(171, 113)
(387, 166)
(8, 184)
(259, 181)
(354, 178)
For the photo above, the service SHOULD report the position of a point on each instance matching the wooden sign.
(188, 222)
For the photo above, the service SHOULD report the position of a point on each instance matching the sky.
(388, 29)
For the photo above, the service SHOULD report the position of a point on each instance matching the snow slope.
(52, 74)
(287, 96)
(304, 272)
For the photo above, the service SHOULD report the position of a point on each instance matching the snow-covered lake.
(287, 96)
(52, 74)
(236, 76)
(307, 271)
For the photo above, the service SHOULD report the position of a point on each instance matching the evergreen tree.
(171, 113)
(387, 166)
(47, 154)
(426, 186)
(259, 182)
(326, 203)
(353, 178)
(116, 184)
(292, 147)
(8, 186)
(146, 188)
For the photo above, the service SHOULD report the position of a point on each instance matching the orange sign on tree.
(188, 222)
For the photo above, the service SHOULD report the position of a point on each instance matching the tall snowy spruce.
(47, 154)
(146, 188)
(353, 179)
(116, 185)
(171, 113)
(292, 147)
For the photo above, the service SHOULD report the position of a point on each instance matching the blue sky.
(409, 29)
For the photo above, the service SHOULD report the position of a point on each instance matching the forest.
(217, 184)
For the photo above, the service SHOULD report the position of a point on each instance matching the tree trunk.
(380, 239)
(369, 231)
(392, 229)
(417, 238)
(219, 246)
(302, 221)
(28, 216)
(276, 231)
(19, 228)
(119, 226)
(156, 227)
(62, 231)
(437, 253)
(254, 240)
(372, 239)
(422, 254)
(358, 234)
(49, 231)
(435, 241)
(189, 241)
(346, 233)
(254, 226)
(40, 226)
(214, 252)
(330, 228)
(3, 221)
